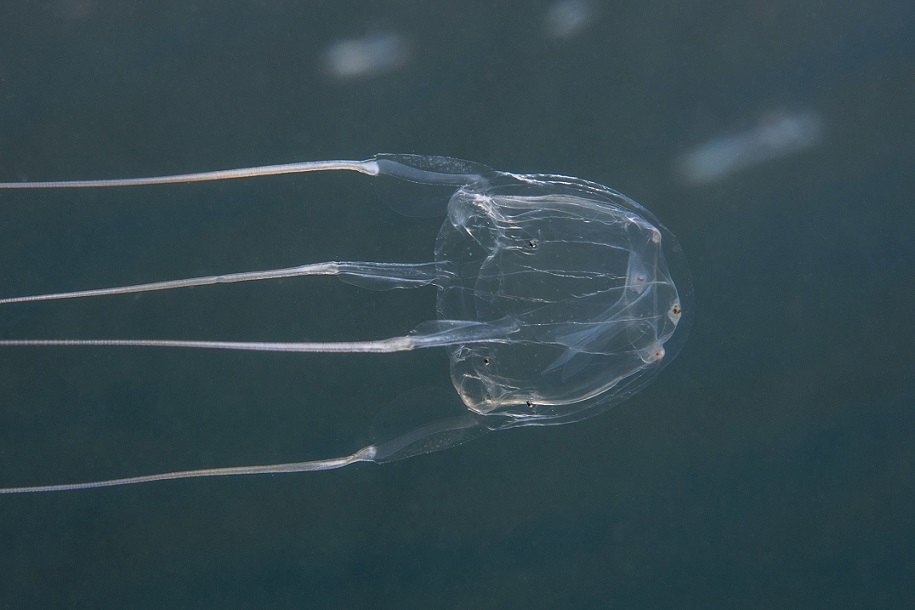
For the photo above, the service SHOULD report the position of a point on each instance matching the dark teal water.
(770, 465)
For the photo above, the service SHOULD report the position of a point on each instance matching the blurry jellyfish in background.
(567, 18)
(779, 134)
(372, 55)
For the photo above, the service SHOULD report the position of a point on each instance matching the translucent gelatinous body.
(582, 272)
(557, 298)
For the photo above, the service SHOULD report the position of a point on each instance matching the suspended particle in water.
(777, 135)
(372, 55)
(568, 18)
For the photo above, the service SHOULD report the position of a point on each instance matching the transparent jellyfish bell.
(583, 273)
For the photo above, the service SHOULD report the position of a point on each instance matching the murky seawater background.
(770, 465)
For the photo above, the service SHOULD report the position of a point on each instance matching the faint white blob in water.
(75, 9)
(567, 18)
(371, 55)
(777, 135)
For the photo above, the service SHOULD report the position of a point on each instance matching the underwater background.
(771, 464)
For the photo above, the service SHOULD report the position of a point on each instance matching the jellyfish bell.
(582, 271)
